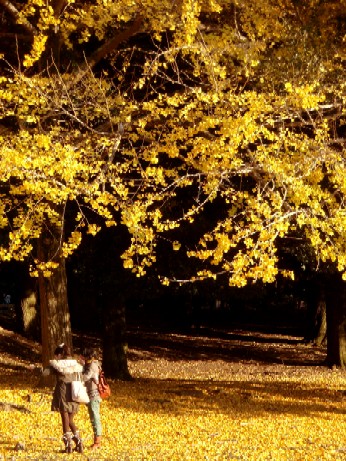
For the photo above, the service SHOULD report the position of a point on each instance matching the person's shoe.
(78, 441)
(97, 442)
(67, 439)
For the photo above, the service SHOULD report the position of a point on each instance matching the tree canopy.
(142, 113)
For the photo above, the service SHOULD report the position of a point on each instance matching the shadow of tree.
(18, 346)
(261, 347)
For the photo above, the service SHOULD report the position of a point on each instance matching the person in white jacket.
(66, 370)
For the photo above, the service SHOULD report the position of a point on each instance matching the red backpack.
(103, 387)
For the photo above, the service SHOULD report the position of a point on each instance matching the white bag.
(79, 392)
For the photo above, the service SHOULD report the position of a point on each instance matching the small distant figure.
(7, 299)
(91, 378)
(66, 369)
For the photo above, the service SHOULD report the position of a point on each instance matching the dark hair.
(89, 353)
(63, 350)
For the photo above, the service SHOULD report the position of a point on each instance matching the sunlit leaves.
(234, 103)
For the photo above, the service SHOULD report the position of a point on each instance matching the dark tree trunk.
(336, 322)
(321, 324)
(317, 315)
(55, 316)
(114, 340)
(54, 310)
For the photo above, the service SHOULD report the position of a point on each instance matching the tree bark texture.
(321, 324)
(55, 316)
(317, 314)
(30, 309)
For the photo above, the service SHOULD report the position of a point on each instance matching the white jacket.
(64, 367)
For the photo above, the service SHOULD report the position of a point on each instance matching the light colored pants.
(94, 413)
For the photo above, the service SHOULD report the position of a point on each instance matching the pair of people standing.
(66, 370)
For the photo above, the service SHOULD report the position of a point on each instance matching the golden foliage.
(238, 101)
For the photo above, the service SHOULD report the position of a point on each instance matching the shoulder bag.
(79, 391)
(103, 387)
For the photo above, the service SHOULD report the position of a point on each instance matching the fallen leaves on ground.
(184, 409)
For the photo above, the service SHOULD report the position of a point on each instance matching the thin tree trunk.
(336, 322)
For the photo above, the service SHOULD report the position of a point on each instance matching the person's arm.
(50, 370)
(47, 371)
(66, 366)
(91, 373)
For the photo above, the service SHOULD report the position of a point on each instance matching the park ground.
(208, 395)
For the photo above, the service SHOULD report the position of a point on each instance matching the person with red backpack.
(91, 378)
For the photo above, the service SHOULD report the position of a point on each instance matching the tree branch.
(12, 10)
(58, 6)
(107, 48)
(114, 42)
(13, 35)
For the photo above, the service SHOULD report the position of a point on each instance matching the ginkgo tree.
(141, 113)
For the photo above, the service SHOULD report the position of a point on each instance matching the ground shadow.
(17, 346)
(240, 345)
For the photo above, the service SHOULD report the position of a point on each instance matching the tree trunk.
(114, 361)
(54, 310)
(321, 324)
(55, 316)
(30, 309)
(317, 315)
(336, 322)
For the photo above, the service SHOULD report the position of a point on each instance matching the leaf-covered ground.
(231, 396)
